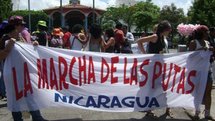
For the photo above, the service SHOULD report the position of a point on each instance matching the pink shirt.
(26, 35)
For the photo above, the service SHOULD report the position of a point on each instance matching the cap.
(16, 20)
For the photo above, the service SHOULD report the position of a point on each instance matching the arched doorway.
(56, 19)
(74, 17)
(90, 18)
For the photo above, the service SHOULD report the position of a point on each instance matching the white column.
(63, 20)
(86, 22)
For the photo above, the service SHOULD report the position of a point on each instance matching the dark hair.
(66, 28)
(42, 28)
(125, 27)
(77, 28)
(118, 25)
(96, 31)
(109, 32)
(8, 28)
(163, 26)
(200, 32)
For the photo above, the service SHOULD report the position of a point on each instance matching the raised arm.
(152, 38)
(110, 42)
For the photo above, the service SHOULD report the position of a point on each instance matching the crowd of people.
(110, 40)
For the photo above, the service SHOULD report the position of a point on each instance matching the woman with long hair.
(109, 42)
(157, 44)
(157, 41)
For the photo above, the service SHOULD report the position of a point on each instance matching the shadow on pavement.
(125, 120)
(192, 117)
(161, 118)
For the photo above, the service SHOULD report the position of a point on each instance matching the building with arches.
(73, 13)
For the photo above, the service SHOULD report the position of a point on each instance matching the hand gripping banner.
(39, 77)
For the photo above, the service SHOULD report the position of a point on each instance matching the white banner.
(41, 77)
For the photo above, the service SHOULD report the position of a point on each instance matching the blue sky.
(102, 4)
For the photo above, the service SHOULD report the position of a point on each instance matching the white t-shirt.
(166, 45)
(130, 37)
(75, 44)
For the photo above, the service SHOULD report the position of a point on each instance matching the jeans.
(36, 116)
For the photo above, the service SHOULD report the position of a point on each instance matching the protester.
(56, 40)
(109, 43)
(95, 38)
(157, 45)
(78, 40)
(11, 34)
(42, 34)
(4, 51)
(129, 39)
(200, 43)
(146, 44)
(2, 25)
(66, 36)
(24, 35)
(119, 38)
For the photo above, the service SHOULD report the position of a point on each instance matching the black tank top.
(155, 48)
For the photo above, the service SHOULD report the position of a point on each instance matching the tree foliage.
(174, 15)
(123, 12)
(202, 12)
(35, 17)
(5, 8)
(142, 15)
(146, 15)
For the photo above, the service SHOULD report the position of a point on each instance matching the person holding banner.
(200, 43)
(42, 34)
(4, 51)
(157, 45)
(11, 34)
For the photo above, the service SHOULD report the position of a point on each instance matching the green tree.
(5, 8)
(202, 12)
(146, 15)
(35, 17)
(112, 13)
(174, 15)
(123, 13)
